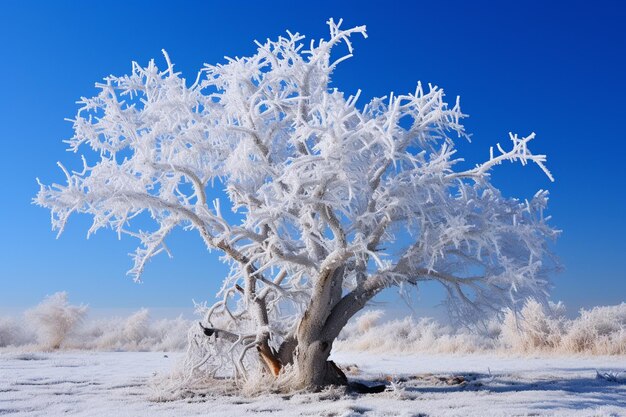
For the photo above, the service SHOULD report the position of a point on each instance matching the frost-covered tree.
(334, 201)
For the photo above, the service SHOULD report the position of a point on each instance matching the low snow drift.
(90, 384)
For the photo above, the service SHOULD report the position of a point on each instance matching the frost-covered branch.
(519, 152)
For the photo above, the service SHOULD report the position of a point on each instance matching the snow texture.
(99, 384)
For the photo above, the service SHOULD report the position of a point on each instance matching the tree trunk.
(328, 312)
(314, 370)
(309, 347)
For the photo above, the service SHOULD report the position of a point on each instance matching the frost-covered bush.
(136, 332)
(408, 335)
(54, 324)
(601, 330)
(118, 333)
(136, 328)
(365, 321)
(54, 319)
(12, 333)
(171, 334)
(536, 327)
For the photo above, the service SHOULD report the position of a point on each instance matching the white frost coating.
(337, 201)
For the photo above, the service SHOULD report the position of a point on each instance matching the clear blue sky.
(557, 69)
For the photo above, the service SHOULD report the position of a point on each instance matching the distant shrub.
(601, 330)
(136, 329)
(54, 319)
(536, 328)
(12, 333)
(171, 334)
(408, 335)
(136, 332)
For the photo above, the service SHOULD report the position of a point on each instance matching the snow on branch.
(519, 152)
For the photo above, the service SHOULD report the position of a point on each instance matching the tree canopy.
(337, 200)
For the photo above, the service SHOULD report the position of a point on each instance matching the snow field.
(126, 383)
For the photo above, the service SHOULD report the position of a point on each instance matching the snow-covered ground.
(116, 383)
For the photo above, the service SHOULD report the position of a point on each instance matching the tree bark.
(314, 370)
(326, 315)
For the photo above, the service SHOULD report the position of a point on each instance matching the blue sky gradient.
(556, 69)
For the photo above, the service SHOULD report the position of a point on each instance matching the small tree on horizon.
(335, 201)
